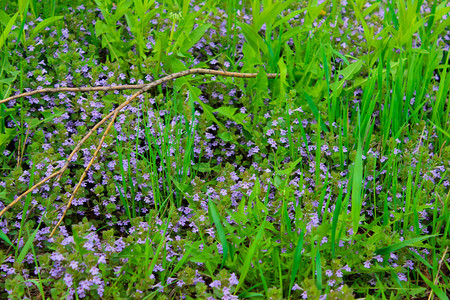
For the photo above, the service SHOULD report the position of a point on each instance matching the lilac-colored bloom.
(215, 284)
(94, 271)
(402, 277)
(233, 279)
(68, 279)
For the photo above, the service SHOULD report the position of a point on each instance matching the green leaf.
(398, 246)
(440, 293)
(296, 262)
(4, 237)
(227, 111)
(8, 136)
(289, 170)
(356, 189)
(194, 93)
(220, 231)
(203, 167)
(315, 112)
(318, 270)
(7, 30)
(270, 13)
(48, 116)
(27, 246)
(158, 251)
(253, 38)
(193, 37)
(250, 254)
(47, 22)
(347, 73)
(226, 136)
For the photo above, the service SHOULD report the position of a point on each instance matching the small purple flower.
(402, 277)
(233, 279)
(409, 264)
(170, 280)
(180, 283)
(74, 265)
(94, 271)
(367, 264)
(272, 143)
(55, 256)
(215, 284)
(379, 258)
(120, 245)
(68, 279)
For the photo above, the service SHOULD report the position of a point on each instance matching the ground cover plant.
(320, 175)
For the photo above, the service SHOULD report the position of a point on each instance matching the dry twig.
(142, 89)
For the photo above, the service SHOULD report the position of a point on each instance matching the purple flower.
(57, 256)
(68, 279)
(409, 264)
(272, 143)
(94, 270)
(233, 279)
(215, 284)
(379, 258)
(170, 280)
(180, 283)
(74, 265)
(120, 245)
(402, 277)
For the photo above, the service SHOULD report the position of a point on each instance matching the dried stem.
(28, 191)
(143, 88)
(87, 169)
(436, 279)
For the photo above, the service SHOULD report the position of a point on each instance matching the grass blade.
(220, 231)
(248, 258)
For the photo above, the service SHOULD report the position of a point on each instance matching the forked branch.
(142, 89)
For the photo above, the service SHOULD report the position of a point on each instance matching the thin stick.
(28, 191)
(143, 88)
(135, 86)
(436, 279)
(86, 170)
(75, 89)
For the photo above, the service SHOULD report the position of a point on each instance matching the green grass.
(330, 180)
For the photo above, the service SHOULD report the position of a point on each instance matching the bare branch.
(143, 88)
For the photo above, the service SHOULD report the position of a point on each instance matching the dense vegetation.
(329, 181)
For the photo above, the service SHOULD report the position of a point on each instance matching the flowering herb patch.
(323, 175)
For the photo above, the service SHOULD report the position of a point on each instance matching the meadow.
(214, 149)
